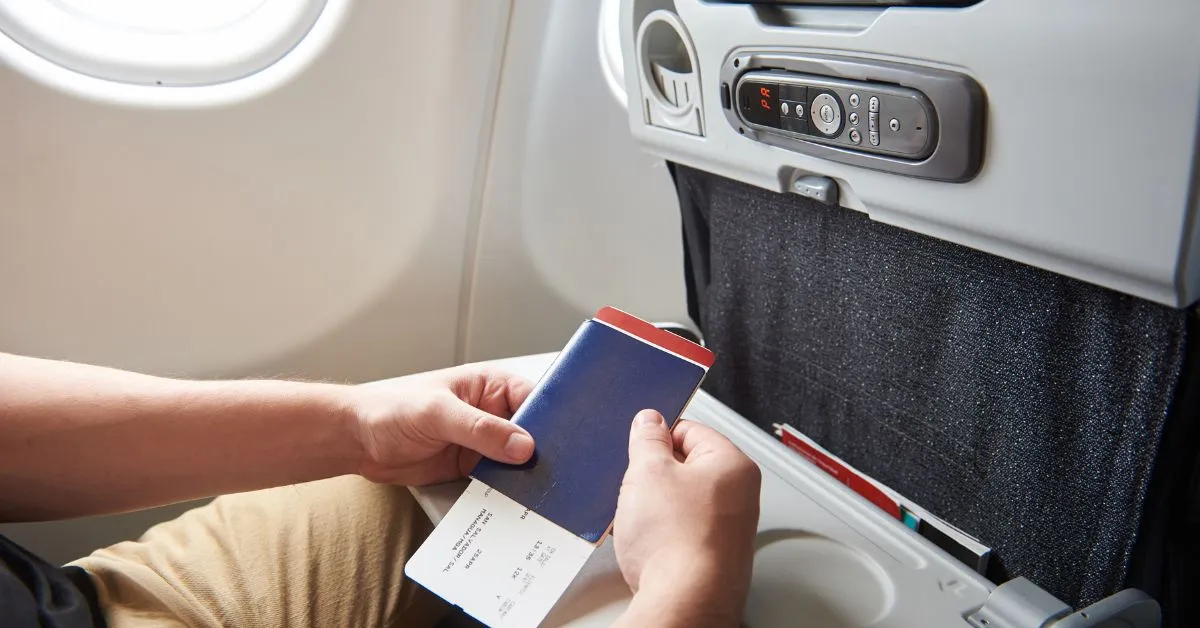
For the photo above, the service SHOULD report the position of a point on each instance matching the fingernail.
(518, 446)
(648, 417)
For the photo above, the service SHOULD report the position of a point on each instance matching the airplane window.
(162, 16)
(611, 61)
(160, 42)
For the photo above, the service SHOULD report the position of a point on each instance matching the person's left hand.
(432, 427)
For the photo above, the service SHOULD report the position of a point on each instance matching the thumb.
(649, 438)
(488, 434)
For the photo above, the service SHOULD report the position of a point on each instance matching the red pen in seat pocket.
(839, 471)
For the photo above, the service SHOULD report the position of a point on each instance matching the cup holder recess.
(669, 74)
(803, 579)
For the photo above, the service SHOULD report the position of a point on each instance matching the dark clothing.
(35, 593)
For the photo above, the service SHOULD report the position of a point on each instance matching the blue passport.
(580, 413)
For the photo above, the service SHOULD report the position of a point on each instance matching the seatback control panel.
(872, 118)
(910, 120)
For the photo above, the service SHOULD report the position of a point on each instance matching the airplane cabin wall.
(574, 215)
(337, 225)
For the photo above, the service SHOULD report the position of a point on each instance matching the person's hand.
(685, 524)
(432, 427)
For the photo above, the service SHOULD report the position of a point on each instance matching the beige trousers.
(323, 554)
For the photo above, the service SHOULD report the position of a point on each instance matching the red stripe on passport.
(661, 338)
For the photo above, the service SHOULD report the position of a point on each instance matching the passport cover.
(580, 414)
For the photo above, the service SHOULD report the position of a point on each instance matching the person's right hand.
(685, 524)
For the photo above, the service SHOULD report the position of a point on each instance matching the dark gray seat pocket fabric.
(1023, 406)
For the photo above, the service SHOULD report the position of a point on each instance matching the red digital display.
(760, 102)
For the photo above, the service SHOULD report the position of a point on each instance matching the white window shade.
(160, 42)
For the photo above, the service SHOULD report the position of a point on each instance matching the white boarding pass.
(502, 563)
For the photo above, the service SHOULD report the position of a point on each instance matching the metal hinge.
(1020, 603)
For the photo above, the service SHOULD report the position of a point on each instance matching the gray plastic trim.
(957, 103)
(1020, 603)
(1057, 188)
(1131, 608)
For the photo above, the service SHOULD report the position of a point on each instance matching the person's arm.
(80, 440)
(685, 526)
(685, 595)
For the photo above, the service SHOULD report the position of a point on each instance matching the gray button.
(873, 105)
(825, 114)
(799, 110)
(872, 121)
(874, 138)
(855, 136)
(894, 124)
(853, 117)
(784, 108)
(853, 101)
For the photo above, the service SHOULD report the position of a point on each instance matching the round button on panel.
(853, 117)
(827, 114)
(855, 136)
(894, 124)
(853, 103)
(784, 108)
(799, 110)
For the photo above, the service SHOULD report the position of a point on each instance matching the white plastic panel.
(826, 558)
(574, 215)
(1090, 134)
(310, 220)
(317, 228)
